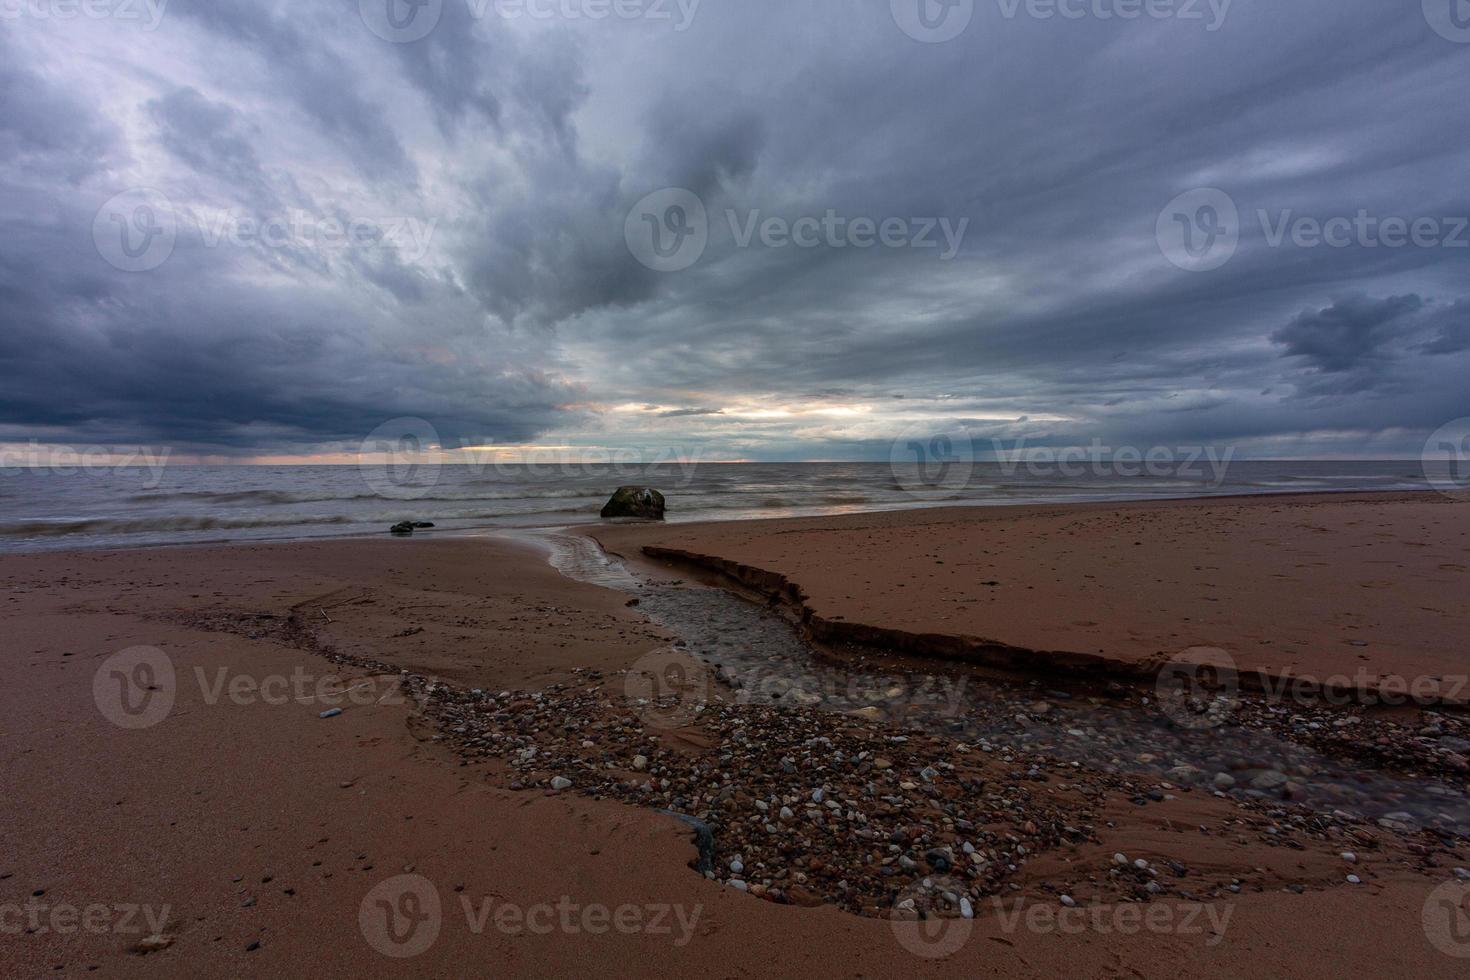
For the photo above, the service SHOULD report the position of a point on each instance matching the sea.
(63, 507)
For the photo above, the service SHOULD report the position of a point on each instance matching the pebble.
(560, 782)
(330, 713)
(1268, 780)
(1069, 901)
(1349, 857)
(739, 885)
(1354, 880)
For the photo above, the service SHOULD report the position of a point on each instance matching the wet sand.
(271, 834)
(1353, 586)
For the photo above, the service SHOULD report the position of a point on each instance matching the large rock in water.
(641, 502)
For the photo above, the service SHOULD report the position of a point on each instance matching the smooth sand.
(1317, 587)
(197, 812)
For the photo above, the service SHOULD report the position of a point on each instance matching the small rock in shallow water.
(1268, 780)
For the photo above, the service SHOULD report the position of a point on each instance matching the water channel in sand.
(764, 659)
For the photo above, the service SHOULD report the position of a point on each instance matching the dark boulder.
(641, 502)
(405, 528)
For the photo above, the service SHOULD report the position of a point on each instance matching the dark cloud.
(1452, 325)
(519, 146)
(1351, 334)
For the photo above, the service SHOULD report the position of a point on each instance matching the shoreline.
(592, 521)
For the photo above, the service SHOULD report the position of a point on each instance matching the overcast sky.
(264, 229)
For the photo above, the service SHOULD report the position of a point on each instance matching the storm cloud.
(260, 228)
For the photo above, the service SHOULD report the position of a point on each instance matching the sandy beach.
(498, 794)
